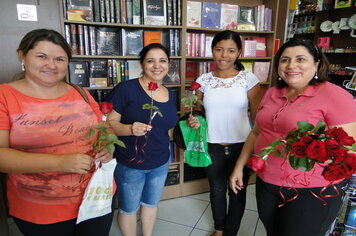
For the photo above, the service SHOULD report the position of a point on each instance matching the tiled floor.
(191, 216)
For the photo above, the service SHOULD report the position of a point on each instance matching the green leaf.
(320, 127)
(304, 126)
(276, 143)
(112, 137)
(277, 153)
(160, 113)
(293, 161)
(354, 147)
(146, 106)
(303, 164)
(120, 143)
(111, 148)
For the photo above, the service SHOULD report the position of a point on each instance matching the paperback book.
(194, 14)
(154, 12)
(132, 41)
(107, 41)
(228, 16)
(79, 73)
(246, 20)
(80, 10)
(211, 15)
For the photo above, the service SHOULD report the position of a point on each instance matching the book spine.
(118, 72)
(117, 11)
(64, 5)
(102, 10)
(126, 72)
(107, 11)
(176, 42)
(129, 12)
(112, 11)
(179, 12)
(92, 40)
(114, 72)
(86, 40)
(110, 73)
(96, 6)
(80, 39)
(67, 34)
(123, 11)
(73, 39)
(175, 12)
(169, 12)
(136, 12)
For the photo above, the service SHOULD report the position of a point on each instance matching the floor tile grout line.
(201, 217)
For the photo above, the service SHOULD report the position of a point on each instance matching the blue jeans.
(139, 187)
(223, 163)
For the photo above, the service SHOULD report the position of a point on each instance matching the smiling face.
(46, 64)
(297, 67)
(155, 65)
(225, 53)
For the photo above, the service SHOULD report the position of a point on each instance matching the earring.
(279, 78)
(23, 66)
(316, 76)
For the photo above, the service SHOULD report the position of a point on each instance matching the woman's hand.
(193, 122)
(236, 183)
(139, 129)
(75, 163)
(104, 156)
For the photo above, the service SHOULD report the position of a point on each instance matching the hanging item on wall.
(326, 26)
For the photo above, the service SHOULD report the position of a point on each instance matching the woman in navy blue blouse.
(143, 165)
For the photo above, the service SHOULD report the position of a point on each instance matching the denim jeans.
(227, 217)
(139, 187)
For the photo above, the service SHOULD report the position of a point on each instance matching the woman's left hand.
(104, 156)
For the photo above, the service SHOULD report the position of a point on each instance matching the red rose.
(335, 150)
(105, 107)
(350, 160)
(333, 172)
(152, 86)
(341, 136)
(317, 150)
(194, 85)
(298, 149)
(306, 139)
(257, 164)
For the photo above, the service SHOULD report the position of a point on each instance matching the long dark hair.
(315, 52)
(225, 35)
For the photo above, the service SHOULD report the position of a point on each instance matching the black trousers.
(93, 227)
(304, 216)
(227, 217)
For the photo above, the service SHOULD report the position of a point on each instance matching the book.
(132, 41)
(151, 37)
(79, 73)
(112, 11)
(74, 39)
(135, 69)
(102, 10)
(123, 12)
(136, 12)
(261, 50)
(172, 76)
(92, 39)
(80, 29)
(107, 11)
(229, 14)
(80, 10)
(193, 14)
(109, 68)
(98, 73)
(208, 42)
(107, 41)
(246, 20)
(67, 34)
(191, 71)
(86, 40)
(210, 17)
(261, 70)
(154, 12)
(96, 10)
(249, 48)
(117, 11)
(129, 12)
(248, 66)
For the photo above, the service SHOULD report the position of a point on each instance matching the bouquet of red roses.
(308, 145)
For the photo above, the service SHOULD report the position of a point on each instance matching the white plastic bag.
(99, 192)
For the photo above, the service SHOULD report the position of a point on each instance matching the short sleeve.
(341, 108)
(4, 112)
(201, 80)
(252, 80)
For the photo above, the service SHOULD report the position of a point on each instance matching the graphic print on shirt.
(65, 125)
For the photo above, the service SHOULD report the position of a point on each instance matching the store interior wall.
(12, 30)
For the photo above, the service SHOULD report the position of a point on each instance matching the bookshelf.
(179, 26)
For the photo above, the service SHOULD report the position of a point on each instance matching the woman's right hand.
(140, 129)
(236, 183)
(76, 163)
(193, 122)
